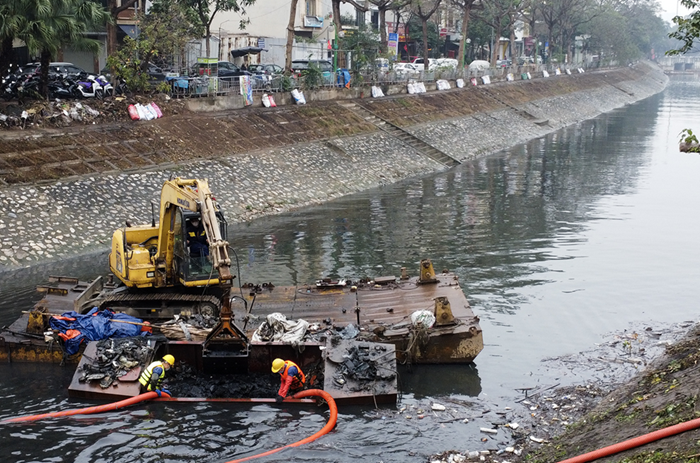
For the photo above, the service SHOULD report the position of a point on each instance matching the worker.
(151, 378)
(197, 238)
(292, 378)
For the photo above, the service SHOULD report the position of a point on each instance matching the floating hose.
(296, 398)
(88, 410)
(325, 430)
(635, 442)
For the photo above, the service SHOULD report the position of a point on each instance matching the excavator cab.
(194, 264)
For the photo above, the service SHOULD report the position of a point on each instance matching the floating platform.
(382, 309)
(424, 319)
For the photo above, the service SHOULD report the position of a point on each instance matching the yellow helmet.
(170, 359)
(277, 365)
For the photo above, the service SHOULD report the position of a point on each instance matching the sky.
(671, 8)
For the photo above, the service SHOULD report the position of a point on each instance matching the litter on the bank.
(489, 430)
(298, 97)
(438, 407)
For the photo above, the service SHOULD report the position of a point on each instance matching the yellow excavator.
(156, 256)
(161, 279)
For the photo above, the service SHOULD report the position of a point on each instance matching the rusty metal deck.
(122, 388)
(383, 312)
(59, 294)
(376, 386)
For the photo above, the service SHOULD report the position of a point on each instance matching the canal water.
(562, 244)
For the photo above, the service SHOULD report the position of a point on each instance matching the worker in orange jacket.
(291, 376)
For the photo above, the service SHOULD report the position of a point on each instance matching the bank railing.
(206, 86)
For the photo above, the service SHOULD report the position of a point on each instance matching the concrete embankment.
(64, 193)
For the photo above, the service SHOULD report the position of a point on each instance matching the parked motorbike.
(88, 87)
(60, 87)
(107, 88)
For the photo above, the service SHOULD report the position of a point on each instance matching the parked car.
(224, 70)
(503, 63)
(266, 76)
(228, 70)
(419, 64)
(266, 69)
(55, 67)
(529, 60)
(405, 70)
(155, 74)
(301, 66)
(479, 65)
(446, 63)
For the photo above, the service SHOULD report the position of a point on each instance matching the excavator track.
(157, 304)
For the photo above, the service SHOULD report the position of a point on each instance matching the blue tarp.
(93, 326)
(343, 77)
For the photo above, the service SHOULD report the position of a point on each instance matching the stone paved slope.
(263, 160)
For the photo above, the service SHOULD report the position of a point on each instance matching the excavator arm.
(194, 195)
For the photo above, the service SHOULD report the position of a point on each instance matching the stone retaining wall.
(263, 161)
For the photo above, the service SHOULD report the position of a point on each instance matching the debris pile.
(115, 358)
(194, 327)
(186, 382)
(66, 113)
(276, 328)
(362, 365)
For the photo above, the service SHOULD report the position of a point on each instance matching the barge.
(418, 319)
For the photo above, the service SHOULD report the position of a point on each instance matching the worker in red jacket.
(292, 378)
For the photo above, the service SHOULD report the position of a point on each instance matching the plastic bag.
(266, 100)
(272, 101)
(155, 107)
(298, 96)
(377, 92)
(349, 332)
(442, 84)
(423, 317)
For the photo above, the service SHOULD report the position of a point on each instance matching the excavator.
(156, 256)
(161, 279)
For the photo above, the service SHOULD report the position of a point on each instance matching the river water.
(559, 243)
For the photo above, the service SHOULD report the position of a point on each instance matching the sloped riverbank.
(269, 160)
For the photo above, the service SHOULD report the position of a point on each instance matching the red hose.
(635, 442)
(88, 410)
(325, 430)
(152, 395)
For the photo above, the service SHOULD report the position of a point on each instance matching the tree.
(337, 19)
(290, 37)
(383, 6)
(164, 31)
(465, 6)
(12, 14)
(424, 9)
(688, 28)
(363, 45)
(207, 9)
(49, 25)
(500, 15)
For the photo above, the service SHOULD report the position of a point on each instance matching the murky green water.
(557, 243)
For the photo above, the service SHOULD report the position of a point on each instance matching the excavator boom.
(194, 195)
